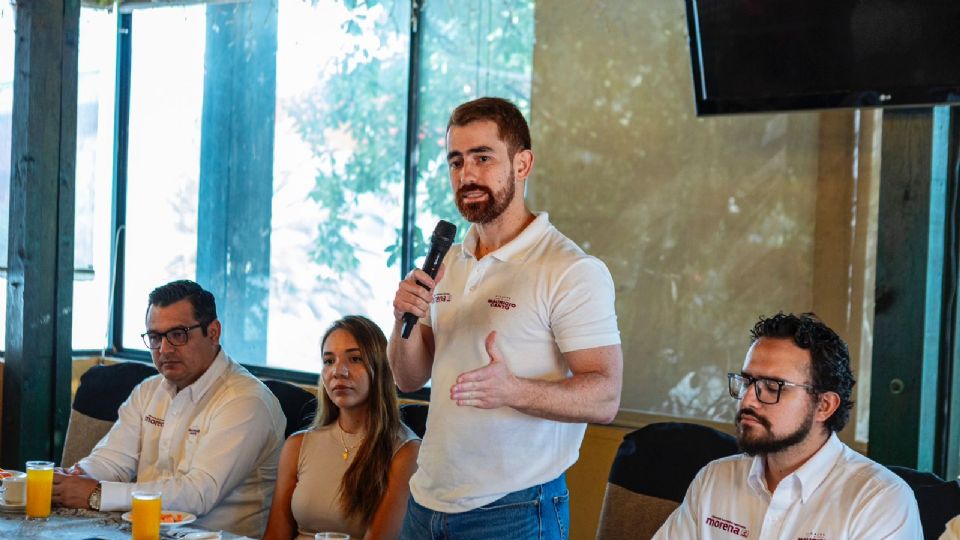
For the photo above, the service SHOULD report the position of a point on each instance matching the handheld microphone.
(440, 243)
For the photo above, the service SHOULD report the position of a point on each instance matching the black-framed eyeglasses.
(768, 390)
(175, 336)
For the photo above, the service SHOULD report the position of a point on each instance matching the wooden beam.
(236, 171)
(40, 278)
(910, 263)
(947, 451)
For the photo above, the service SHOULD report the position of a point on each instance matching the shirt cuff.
(115, 496)
(91, 468)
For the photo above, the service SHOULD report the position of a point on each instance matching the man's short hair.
(829, 358)
(204, 305)
(511, 125)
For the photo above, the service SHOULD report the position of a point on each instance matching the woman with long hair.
(350, 471)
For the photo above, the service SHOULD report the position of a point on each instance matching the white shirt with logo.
(210, 449)
(544, 296)
(837, 494)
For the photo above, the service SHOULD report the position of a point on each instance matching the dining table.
(77, 524)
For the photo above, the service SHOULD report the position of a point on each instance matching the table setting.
(25, 513)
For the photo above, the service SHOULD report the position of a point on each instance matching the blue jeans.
(538, 513)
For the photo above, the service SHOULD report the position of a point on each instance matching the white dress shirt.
(210, 449)
(837, 494)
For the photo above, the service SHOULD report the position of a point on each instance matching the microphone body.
(440, 242)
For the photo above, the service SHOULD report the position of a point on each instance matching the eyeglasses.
(175, 336)
(768, 390)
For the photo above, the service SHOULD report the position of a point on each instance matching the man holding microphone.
(519, 336)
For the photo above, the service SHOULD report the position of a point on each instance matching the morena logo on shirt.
(726, 525)
(151, 419)
(502, 302)
(441, 297)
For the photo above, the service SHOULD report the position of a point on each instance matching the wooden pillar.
(236, 171)
(909, 296)
(36, 382)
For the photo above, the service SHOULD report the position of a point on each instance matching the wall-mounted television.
(772, 55)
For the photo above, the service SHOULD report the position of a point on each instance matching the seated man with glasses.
(204, 432)
(795, 479)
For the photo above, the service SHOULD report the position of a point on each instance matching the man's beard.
(768, 443)
(490, 209)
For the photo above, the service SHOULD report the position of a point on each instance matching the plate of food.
(12, 485)
(168, 518)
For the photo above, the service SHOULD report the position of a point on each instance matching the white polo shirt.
(837, 494)
(210, 449)
(544, 296)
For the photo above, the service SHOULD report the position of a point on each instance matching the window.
(470, 49)
(338, 172)
(294, 230)
(95, 89)
(166, 97)
(7, 20)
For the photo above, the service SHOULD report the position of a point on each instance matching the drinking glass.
(145, 515)
(39, 489)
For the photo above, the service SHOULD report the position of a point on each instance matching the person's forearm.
(281, 525)
(410, 359)
(587, 397)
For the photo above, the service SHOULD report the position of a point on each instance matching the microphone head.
(444, 233)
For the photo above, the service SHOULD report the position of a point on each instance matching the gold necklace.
(346, 450)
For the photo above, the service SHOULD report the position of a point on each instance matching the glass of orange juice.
(39, 488)
(145, 515)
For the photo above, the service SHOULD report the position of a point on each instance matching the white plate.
(11, 471)
(185, 518)
(207, 535)
(12, 508)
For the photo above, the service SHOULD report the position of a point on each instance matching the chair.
(414, 415)
(102, 390)
(299, 406)
(650, 475)
(938, 499)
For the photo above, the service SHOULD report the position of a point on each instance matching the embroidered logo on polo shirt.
(728, 526)
(151, 419)
(502, 302)
(194, 431)
(813, 536)
(441, 297)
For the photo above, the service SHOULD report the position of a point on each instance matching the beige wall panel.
(705, 223)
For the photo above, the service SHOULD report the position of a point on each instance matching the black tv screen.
(781, 55)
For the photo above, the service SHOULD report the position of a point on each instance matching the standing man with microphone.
(519, 336)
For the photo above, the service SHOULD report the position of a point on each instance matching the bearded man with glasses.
(795, 478)
(204, 432)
